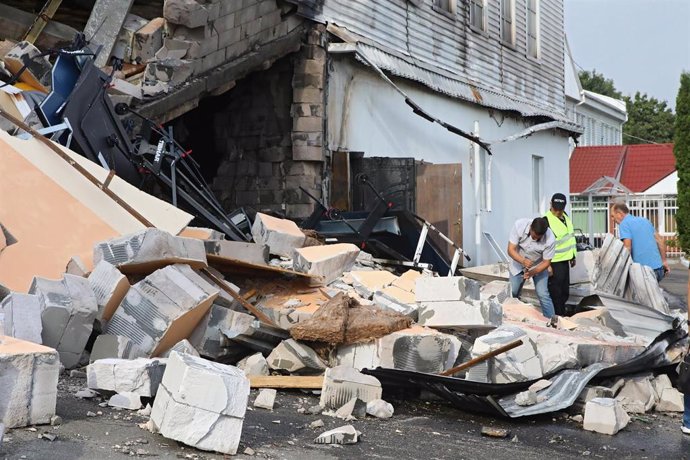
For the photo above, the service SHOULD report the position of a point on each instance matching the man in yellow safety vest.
(566, 252)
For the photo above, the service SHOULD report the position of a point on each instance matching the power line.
(640, 139)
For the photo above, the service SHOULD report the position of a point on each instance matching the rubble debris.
(637, 395)
(148, 250)
(253, 365)
(37, 67)
(447, 288)
(147, 40)
(28, 382)
(605, 415)
(418, 349)
(139, 376)
(498, 290)
(294, 357)
(266, 398)
(85, 393)
(183, 346)
(216, 413)
(353, 409)
(114, 346)
(342, 383)
(104, 25)
(480, 359)
(380, 409)
(325, 262)
(367, 282)
(77, 267)
(125, 400)
(22, 317)
(280, 235)
(526, 398)
(163, 308)
(397, 299)
(55, 420)
(189, 13)
(210, 336)
(109, 286)
(519, 364)
(316, 424)
(670, 400)
(458, 314)
(407, 281)
(236, 250)
(341, 435)
(303, 382)
(69, 311)
(495, 432)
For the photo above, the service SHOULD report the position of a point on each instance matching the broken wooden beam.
(286, 381)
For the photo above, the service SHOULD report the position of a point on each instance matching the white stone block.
(266, 398)
(342, 383)
(605, 415)
(282, 236)
(209, 337)
(380, 408)
(201, 403)
(114, 346)
(367, 282)
(499, 290)
(397, 299)
(359, 355)
(458, 314)
(236, 250)
(294, 357)
(670, 400)
(341, 435)
(183, 346)
(28, 382)
(438, 289)
(327, 262)
(109, 286)
(189, 13)
(255, 364)
(126, 400)
(417, 349)
(140, 376)
(519, 364)
(22, 317)
(637, 395)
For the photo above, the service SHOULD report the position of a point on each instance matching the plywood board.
(439, 201)
(286, 381)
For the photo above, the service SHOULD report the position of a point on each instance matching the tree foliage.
(681, 150)
(598, 83)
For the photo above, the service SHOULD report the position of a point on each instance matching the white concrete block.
(126, 400)
(458, 314)
(341, 435)
(437, 289)
(670, 400)
(327, 262)
(266, 398)
(342, 383)
(114, 346)
(397, 299)
(139, 376)
(605, 415)
(499, 290)
(282, 236)
(255, 364)
(189, 13)
(637, 395)
(109, 286)
(294, 357)
(417, 349)
(237, 250)
(359, 355)
(28, 382)
(380, 408)
(183, 346)
(77, 267)
(367, 282)
(209, 337)
(22, 317)
(519, 364)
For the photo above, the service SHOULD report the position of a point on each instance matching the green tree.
(597, 83)
(681, 150)
(649, 120)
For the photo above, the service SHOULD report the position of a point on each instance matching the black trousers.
(559, 285)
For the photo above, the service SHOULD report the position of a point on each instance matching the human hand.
(573, 262)
(527, 263)
(667, 269)
(526, 275)
(550, 270)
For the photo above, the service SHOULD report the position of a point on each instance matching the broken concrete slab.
(69, 311)
(638, 395)
(209, 397)
(147, 41)
(343, 383)
(438, 289)
(170, 71)
(419, 349)
(163, 308)
(407, 281)
(670, 400)
(150, 249)
(22, 317)
(294, 357)
(326, 262)
(109, 286)
(126, 400)
(28, 382)
(380, 409)
(254, 364)
(282, 236)
(103, 27)
(236, 250)
(209, 336)
(266, 398)
(519, 364)
(77, 267)
(183, 346)
(499, 290)
(189, 13)
(458, 314)
(114, 346)
(341, 435)
(367, 282)
(139, 376)
(605, 415)
(398, 300)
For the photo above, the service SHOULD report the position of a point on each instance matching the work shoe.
(685, 429)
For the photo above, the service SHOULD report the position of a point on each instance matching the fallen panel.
(635, 318)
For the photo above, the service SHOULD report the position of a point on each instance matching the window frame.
(537, 31)
(450, 12)
(538, 184)
(513, 28)
(484, 29)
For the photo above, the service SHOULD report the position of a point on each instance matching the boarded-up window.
(533, 28)
(478, 14)
(508, 22)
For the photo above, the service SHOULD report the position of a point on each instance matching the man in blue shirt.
(641, 239)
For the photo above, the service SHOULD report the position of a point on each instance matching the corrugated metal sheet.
(425, 38)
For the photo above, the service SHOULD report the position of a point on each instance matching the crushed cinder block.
(77, 267)
(163, 308)
(109, 286)
(183, 346)
(418, 349)
(69, 311)
(605, 415)
(148, 250)
(341, 435)
(342, 383)
(439, 289)
(237, 250)
(210, 397)
(499, 290)
(173, 72)
(380, 409)
(637, 395)
(397, 299)
(139, 376)
(367, 282)
(266, 398)
(294, 357)
(359, 355)
(458, 314)
(114, 346)
(125, 400)
(124, 44)
(22, 317)
(209, 337)
(189, 13)
(147, 41)
(282, 236)
(407, 281)
(326, 262)
(28, 382)
(670, 400)
(516, 365)
(254, 364)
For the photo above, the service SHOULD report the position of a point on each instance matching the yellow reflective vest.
(565, 237)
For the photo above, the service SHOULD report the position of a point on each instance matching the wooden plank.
(439, 201)
(340, 181)
(286, 381)
(42, 20)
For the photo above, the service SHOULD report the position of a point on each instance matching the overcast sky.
(642, 45)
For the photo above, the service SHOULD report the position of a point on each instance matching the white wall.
(666, 186)
(366, 114)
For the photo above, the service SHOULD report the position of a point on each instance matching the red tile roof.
(643, 165)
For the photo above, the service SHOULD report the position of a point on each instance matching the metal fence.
(659, 209)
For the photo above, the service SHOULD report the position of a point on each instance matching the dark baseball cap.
(558, 201)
